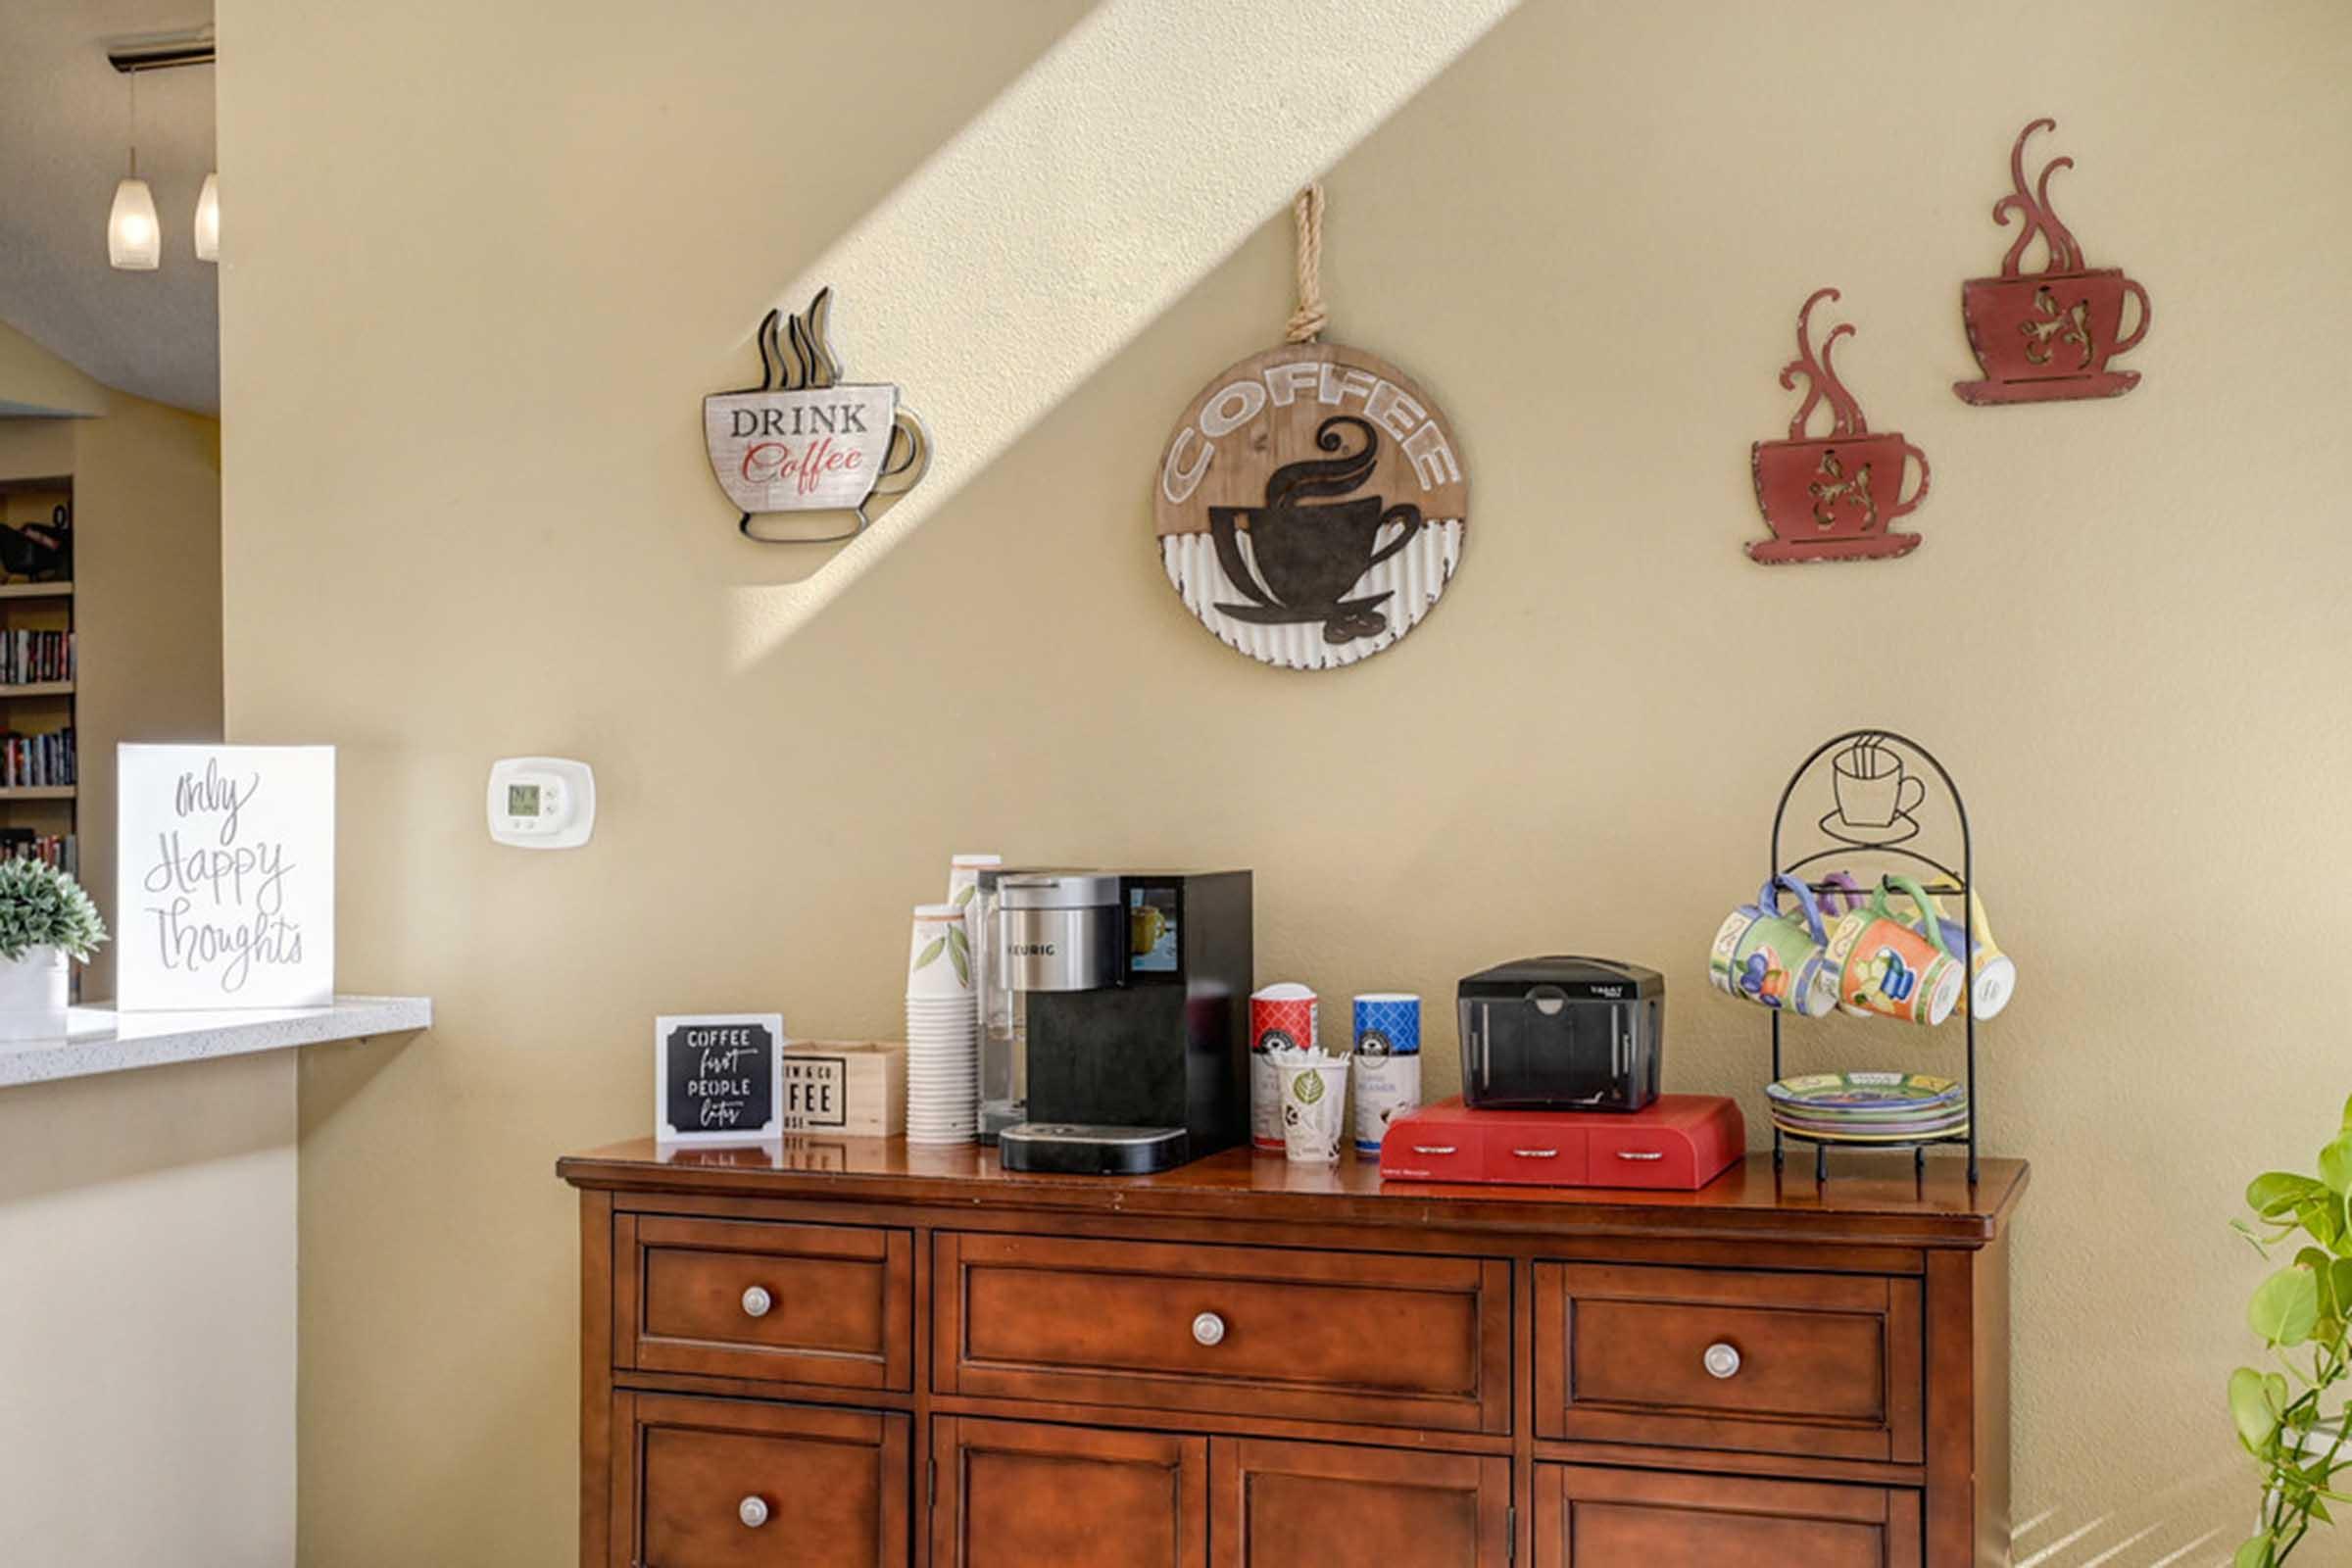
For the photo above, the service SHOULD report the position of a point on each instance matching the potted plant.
(2304, 1313)
(45, 919)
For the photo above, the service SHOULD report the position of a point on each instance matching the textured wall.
(471, 311)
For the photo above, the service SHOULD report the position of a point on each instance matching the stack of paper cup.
(943, 1064)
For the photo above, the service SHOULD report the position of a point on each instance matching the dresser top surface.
(1873, 1197)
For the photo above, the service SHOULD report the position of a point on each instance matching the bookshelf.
(37, 701)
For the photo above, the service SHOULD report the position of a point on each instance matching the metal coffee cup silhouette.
(1306, 554)
(1831, 498)
(2047, 336)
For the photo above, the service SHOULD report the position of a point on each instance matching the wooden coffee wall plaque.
(1311, 506)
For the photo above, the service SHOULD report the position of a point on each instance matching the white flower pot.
(32, 995)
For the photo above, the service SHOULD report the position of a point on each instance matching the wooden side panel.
(1968, 1407)
(596, 1376)
(1014, 1494)
(1594, 1518)
(1289, 1504)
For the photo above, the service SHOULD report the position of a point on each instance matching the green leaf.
(965, 897)
(930, 954)
(2250, 1408)
(2286, 1307)
(2336, 1166)
(2274, 1193)
(2348, 1114)
(958, 941)
(2254, 1553)
(963, 965)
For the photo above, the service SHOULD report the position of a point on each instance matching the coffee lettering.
(1286, 381)
(1235, 406)
(1433, 459)
(1178, 482)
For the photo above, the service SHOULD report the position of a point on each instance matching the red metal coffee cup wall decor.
(1830, 496)
(805, 440)
(2047, 336)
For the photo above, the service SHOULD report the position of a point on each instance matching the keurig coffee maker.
(1134, 992)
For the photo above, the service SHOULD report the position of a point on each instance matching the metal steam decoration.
(1832, 497)
(804, 439)
(1310, 507)
(2047, 336)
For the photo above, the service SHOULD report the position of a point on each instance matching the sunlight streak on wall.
(1097, 188)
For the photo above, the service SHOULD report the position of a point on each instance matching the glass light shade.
(208, 220)
(135, 241)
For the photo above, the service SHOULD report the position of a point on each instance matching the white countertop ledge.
(100, 1040)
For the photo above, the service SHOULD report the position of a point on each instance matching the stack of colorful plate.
(1869, 1107)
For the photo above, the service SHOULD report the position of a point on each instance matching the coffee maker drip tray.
(1078, 1149)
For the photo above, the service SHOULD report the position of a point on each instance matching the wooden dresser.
(861, 1353)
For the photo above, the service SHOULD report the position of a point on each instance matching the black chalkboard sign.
(716, 1077)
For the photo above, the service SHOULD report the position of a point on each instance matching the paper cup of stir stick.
(1314, 1105)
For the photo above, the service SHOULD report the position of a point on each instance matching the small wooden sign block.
(1311, 506)
(857, 1088)
(719, 1078)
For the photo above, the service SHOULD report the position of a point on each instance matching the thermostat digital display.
(542, 802)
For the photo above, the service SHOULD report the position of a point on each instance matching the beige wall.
(34, 381)
(470, 316)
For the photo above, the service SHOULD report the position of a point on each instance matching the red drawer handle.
(1537, 1153)
(1631, 1153)
(1432, 1148)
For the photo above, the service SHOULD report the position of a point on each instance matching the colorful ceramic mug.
(1992, 974)
(1894, 968)
(1778, 960)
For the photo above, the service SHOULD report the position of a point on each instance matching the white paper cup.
(1314, 1108)
(939, 955)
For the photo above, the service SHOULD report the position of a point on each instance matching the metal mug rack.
(1847, 837)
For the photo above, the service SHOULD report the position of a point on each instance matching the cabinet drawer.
(1772, 1363)
(1592, 1518)
(828, 1304)
(734, 1484)
(1295, 1504)
(1357, 1338)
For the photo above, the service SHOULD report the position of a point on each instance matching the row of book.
(36, 762)
(60, 849)
(27, 658)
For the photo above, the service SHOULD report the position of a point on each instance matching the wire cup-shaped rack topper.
(1876, 794)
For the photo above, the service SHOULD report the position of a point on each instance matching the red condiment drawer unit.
(1440, 1143)
(1678, 1143)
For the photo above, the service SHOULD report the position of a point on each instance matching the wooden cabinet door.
(1012, 1495)
(732, 1484)
(1593, 1518)
(1286, 1505)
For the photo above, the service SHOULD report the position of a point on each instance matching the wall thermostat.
(542, 802)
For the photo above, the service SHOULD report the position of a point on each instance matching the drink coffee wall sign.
(226, 876)
(806, 441)
(1311, 506)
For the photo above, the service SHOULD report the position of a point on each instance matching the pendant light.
(134, 240)
(208, 220)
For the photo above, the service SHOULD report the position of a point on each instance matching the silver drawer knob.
(755, 1302)
(753, 1511)
(1209, 1329)
(1722, 1361)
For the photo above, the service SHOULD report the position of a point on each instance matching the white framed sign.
(225, 884)
(718, 1077)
